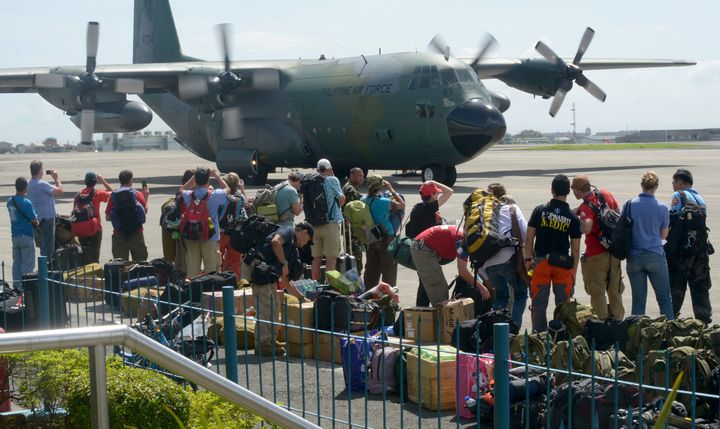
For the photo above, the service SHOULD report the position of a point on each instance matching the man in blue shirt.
(687, 250)
(42, 195)
(327, 237)
(22, 221)
(287, 200)
(200, 226)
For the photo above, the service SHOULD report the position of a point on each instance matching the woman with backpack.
(86, 224)
(650, 222)
(424, 215)
(232, 212)
(379, 263)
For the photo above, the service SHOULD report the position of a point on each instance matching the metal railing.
(96, 338)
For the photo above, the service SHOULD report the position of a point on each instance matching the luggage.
(356, 359)
(399, 250)
(56, 290)
(606, 333)
(474, 378)
(117, 272)
(607, 218)
(346, 261)
(573, 315)
(388, 309)
(172, 296)
(164, 271)
(84, 222)
(336, 312)
(127, 214)
(86, 284)
(537, 347)
(560, 358)
(312, 186)
(605, 365)
(12, 309)
(244, 332)
(171, 215)
(482, 238)
(71, 257)
(138, 282)
(463, 289)
(382, 371)
(231, 213)
(196, 223)
(621, 239)
(362, 225)
(251, 232)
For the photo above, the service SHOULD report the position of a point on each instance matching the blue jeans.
(23, 251)
(47, 238)
(650, 265)
(502, 277)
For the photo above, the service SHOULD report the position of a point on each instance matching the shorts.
(326, 241)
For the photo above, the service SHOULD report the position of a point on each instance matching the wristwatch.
(286, 263)
(529, 259)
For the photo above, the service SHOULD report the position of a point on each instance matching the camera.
(48, 171)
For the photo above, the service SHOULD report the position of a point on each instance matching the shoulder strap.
(515, 224)
(17, 209)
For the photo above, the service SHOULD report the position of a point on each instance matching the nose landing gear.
(445, 175)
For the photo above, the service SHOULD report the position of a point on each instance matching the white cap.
(324, 164)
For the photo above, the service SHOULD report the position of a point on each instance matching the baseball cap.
(375, 183)
(90, 175)
(427, 189)
(307, 227)
(324, 164)
(684, 174)
(580, 182)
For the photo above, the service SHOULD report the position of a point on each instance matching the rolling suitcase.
(12, 310)
(346, 261)
(56, 289)
(117, 272)
(71, 257)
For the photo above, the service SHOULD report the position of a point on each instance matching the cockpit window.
(426, 77)
(465, 76)
(424, 81)
(448, 76)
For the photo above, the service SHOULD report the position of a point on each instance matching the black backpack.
(621, 241)
(606, 333)
(347, 310)
(230, 213)
(312, 186)
(127, 214)
(693, 225)
(607, 218)
(251, 232)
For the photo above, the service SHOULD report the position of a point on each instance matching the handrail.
(31, 341)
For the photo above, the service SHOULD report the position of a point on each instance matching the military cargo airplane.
(425, 111)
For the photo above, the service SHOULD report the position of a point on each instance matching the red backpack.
(84, 222)
(196, 223)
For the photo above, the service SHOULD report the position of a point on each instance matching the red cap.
(428, 189)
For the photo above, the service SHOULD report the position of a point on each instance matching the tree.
(528, 134)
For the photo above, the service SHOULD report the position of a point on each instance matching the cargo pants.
(265, 310)
(691, 273)
(545, 276)
(603, 282)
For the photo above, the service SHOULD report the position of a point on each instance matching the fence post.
(231, 364)
(43, 292)
(98, 388)
(501, 348)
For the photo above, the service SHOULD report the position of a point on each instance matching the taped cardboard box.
(328, 351)
(450, 312)
(138, 303)
(437, 393)
(421, 323)
(242, 300)
(295, 350)
(85, 284)
(298, 315)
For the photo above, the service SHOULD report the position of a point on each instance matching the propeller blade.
(584, 43)
(223, 30)
(591, 87)
(87, 126)
(439, 45)
(486, 46)
(91, 46)
(266, 79)
(192, 86)
(549, 54)
(49, 80)
(129, 86)
(557, 101)
(232, 123)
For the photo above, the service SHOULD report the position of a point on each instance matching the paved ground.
(526, 175)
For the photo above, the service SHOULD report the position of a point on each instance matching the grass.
(617, 146)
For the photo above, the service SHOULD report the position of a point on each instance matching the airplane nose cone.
(474, 126)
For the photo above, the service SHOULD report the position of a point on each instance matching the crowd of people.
(670, 246)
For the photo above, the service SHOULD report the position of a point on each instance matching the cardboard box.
(140, 302)
(294, 350)
(85, 284)
(294, 313)
(427, 366)
(446, 314)
(213, 301)
(326, 350)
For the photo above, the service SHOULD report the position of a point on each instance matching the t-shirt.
(351, 193)
(649, 216)
(21, 213)
(423, 216)
(333, 192)
(690, 195)
(285, 197)
(380, 211)
(584, 211)
(40, 193)
(505, 228)
(140, 198)
(266, 250)
(444, 240)
(555, 225)
(217, 199)
(101, 196)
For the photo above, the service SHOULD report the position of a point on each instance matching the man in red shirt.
(601, 271)
(127, 219)
(441, 242)
(93, 242)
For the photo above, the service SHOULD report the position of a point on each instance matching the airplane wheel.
(433, 172)
(259, 178)
(450, 176)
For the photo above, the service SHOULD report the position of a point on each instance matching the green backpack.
(648, 338)
(536, 347)
(605, 365)
(362, 225)
(573, 315)
(560, 357)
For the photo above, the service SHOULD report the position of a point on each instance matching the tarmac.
(526, 175)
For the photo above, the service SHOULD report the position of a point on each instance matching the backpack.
(231, 214)
(621, 239)
(382, 370)
(84, 223)
(355, 353)
(312, 186)
(606, 333)
(605, 365)
(264, 203)
(251, 232)
(127, 214)
(573, 315)
(560, 357)
(171, 214)
(196, 223)
(607, 218)
(537, 348)
(362, 225)
(482, 220)
(693, 236)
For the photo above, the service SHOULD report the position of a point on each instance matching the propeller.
(439, 45)
(570, 73)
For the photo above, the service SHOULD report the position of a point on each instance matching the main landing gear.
(445, 175)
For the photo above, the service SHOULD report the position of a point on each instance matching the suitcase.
(12, 309)
(346, 261)
(56, 289)
(117, 272)
(210, 282)
(347, 311)
(71, 257)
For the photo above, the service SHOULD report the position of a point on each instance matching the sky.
(52, 33)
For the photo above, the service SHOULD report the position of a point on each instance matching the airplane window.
(426, 69)
(464, 76)
(413, 83)
(448, 76)
(424, 81)
(420, 110)
(418, 69)
(434, 80)
(431, 110)
(433, 69)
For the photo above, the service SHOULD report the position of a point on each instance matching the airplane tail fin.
(155, 38)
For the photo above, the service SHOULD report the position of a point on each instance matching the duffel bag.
(399, 250)
(210, 282)
(337, 312)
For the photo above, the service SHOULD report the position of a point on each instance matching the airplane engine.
(118, 117)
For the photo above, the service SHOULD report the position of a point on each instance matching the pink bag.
(474, 380)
